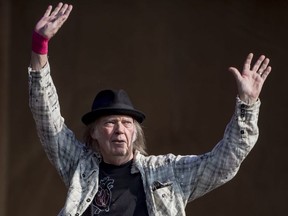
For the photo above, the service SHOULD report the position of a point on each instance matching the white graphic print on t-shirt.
(103, 197)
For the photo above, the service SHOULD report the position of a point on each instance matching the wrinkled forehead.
(114, 118)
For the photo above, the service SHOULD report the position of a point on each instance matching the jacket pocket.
(165, 198)
(158, 185)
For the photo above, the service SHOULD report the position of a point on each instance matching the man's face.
(115, 135)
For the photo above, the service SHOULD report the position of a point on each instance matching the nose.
(119, 128)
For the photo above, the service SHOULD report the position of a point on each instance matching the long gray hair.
(139, 143)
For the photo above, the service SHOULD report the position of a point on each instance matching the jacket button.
(242, 132)
(88, 200)
(77, 214)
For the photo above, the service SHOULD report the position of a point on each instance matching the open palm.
(250, 81)
(51, 22)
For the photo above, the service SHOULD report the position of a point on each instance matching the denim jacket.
(169, 181)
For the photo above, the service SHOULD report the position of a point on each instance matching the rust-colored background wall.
(172, 58)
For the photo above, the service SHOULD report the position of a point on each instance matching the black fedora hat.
(112, 102)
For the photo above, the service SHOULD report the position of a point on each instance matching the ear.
(94, 132)
(134, 138)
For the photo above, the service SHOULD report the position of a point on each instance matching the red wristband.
(39, 43)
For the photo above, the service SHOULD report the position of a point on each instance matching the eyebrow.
(117, 118)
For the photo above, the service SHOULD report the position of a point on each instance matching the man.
(111, 174)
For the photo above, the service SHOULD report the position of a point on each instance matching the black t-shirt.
(120, 193)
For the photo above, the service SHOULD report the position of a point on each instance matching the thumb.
(235, 73)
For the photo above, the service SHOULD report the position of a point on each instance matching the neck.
(117, 160)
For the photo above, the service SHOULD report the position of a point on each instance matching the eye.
(127, 123)
(109, 122)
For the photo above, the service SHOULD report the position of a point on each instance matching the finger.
(235, 73)
(69, 9)
(266, 72)
(263, 66)
(56, 10)
(258, 63)
(48, 11)
(63, 15)
(247, 62)
(63, 9)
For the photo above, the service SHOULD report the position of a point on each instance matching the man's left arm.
(250, 81)
(208, 171)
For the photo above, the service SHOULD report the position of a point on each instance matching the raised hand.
(251, 80)
(51, 22)
(44, 30)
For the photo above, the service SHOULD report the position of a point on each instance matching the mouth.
(119, 142)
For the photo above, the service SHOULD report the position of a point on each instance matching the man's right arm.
(38, 61)
(44, 30)
(59, 142)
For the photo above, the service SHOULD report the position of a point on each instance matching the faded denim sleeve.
(198, 175)
(60, 144)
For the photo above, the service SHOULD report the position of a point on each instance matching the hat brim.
(90, 117)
